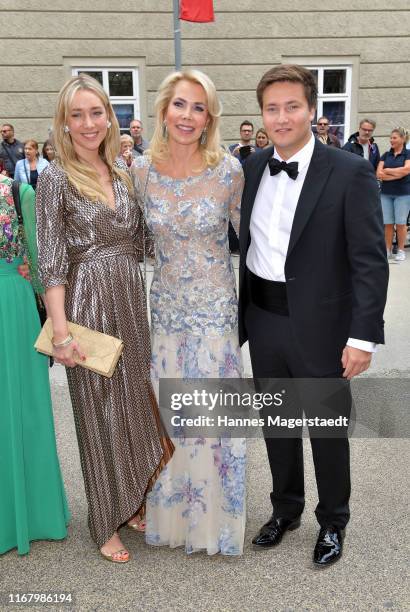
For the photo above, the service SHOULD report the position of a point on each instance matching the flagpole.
(177, 36)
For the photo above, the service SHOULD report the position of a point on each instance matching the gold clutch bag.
(102, 351)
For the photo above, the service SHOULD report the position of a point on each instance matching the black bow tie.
(275, 166)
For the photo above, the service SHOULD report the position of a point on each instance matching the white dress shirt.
(271, 223)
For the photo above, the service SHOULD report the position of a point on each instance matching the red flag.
(200, 11)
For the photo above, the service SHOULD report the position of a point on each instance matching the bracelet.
(65, 342)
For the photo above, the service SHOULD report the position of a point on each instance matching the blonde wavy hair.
(211, 151)
(85, 178)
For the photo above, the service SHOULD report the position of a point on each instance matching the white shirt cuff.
(363, 345)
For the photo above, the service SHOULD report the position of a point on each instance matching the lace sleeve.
(236, 193)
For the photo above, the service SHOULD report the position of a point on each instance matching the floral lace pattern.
(193, 289)
(10, 245)
(196, 357)
(207, 498)
(199, 499)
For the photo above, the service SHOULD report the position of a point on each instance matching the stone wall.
(39, 44)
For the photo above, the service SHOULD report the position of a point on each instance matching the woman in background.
(261, 139)
(126, 151)
(48, 151)
(33, 504)
(192, 190)
(88, 237)
(394, 172)
(28, 170)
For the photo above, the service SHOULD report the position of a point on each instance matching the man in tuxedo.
(313, 284)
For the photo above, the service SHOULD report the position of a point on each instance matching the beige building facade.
(359, 50)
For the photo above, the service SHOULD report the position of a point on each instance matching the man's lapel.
(253, 179)
(316, 177)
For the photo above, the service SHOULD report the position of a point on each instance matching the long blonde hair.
(211, 150)
(84, 178)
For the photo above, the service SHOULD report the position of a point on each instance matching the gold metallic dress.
(92, 250)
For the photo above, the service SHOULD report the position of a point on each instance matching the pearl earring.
(66, 129)
(109, 124)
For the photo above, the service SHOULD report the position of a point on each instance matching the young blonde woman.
(88, 229)
(193, 189)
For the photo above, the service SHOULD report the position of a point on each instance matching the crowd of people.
(101, 198)
(392, 171)
(23, 162)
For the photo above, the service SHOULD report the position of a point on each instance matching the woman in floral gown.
(192, 191)
(33, 504)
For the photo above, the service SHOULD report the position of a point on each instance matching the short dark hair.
(8, 125)
(246, 123)
(292, 73)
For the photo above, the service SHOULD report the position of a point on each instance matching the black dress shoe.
(272, 532)
(329, 546)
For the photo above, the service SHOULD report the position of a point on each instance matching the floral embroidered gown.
(32, 499)
(199, 499)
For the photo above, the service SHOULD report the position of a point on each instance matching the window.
(122, 87)
(334, 85)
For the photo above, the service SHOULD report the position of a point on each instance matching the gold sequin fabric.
(93, 251)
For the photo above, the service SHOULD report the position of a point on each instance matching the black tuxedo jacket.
(336, 268)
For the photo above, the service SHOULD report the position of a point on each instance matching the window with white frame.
(122, 87)
(334, 85)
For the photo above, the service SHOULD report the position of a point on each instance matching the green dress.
(32, 500)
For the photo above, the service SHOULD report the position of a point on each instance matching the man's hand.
(355, 361)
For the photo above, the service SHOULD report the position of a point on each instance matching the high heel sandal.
(140, 526)
(111, 557)
(138, 521)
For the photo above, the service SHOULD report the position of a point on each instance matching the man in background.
(140, 144)
(322, 133)
(11, 149)
(362, 142)
(242, 149)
